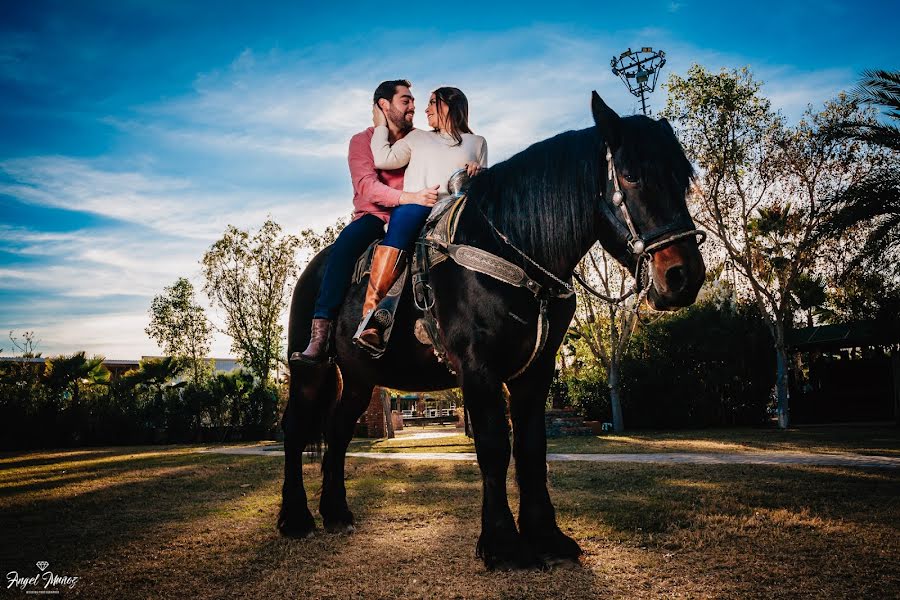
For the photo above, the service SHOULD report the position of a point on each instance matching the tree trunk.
(781, 385)
(615, 392)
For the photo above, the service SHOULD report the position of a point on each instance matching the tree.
(873, 202)
(860, 296)
(604, 326)
(21, 393)
(153, 375)
(70, 373)
(230, 390)
(20, 374)
(316, 242)
(247, 276)
(763, 187)
(179, 325)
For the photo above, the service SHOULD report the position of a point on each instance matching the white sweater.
(431, 157)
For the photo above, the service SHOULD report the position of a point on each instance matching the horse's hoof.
(554, 547)
(344, 528)
(336, 517)
(294, 524)
(506, 551)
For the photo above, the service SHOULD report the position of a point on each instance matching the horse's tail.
(313, 389)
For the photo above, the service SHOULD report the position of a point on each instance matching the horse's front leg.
(499, 544)
(537, 517)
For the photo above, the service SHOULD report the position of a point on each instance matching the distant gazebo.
(851, 374)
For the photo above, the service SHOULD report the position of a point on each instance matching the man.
(375, 193)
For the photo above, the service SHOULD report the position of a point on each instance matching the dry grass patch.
(859, 440)
(179, 524)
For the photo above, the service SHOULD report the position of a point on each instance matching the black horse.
(552, 201)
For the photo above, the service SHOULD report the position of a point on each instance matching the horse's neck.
(578, 242)
(568, 218)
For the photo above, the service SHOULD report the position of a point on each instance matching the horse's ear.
(606, 119)
(665, 123)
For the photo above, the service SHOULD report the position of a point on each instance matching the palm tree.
(154, 373)
(229, 392)
(70, 372)
(875, 200)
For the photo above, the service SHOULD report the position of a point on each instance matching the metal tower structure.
(639, 69)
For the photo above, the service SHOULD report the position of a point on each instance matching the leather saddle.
(439, 229)
(434, 245)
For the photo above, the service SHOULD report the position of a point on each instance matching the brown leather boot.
(319, 347)
(387, 265)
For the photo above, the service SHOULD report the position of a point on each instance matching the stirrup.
(297, 358)
(379, 318)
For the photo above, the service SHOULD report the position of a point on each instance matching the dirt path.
(694, 458)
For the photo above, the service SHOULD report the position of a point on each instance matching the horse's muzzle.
(678, 274)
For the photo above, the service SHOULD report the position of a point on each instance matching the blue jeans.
(349, 245)
(406, 222)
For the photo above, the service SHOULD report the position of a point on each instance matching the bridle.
(642, 246)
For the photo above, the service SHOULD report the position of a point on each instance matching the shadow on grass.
(124, 502)
(10, 460)
(79, 467)
(182, 525)
(871, 440)
(417, 526)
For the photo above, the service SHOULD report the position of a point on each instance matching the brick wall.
(374, 418)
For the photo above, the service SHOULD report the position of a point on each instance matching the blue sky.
(132, 133)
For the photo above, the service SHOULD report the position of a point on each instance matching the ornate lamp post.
(639, 69)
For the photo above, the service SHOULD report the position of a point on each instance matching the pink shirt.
(375, 192)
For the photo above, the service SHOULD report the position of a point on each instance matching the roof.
(846, 335)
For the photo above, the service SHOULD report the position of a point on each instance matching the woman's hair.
(457, 113)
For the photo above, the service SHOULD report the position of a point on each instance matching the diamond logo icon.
(42, 564)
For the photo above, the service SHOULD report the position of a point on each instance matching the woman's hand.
(473, 168)
(378, 118)
(425, 196)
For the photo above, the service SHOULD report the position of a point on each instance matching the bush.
(709, 364)
(588, 393)
(129, 410)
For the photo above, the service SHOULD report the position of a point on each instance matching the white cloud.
(792, 91)
(267, 135)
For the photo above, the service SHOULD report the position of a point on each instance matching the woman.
(430, 158)
(376, 193)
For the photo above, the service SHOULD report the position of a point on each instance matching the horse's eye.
(630, 177)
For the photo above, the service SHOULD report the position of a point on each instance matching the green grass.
(172, 523)
(862, 440)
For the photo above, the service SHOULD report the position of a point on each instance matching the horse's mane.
(544, 198)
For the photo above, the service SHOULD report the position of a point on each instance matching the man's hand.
(473, 168)
(425, 197)
(378, 118)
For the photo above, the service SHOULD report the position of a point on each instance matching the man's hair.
(387, 89)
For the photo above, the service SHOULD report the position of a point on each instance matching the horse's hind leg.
(537, 518)
(499, 544)
(333, 507)
(312, 392)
